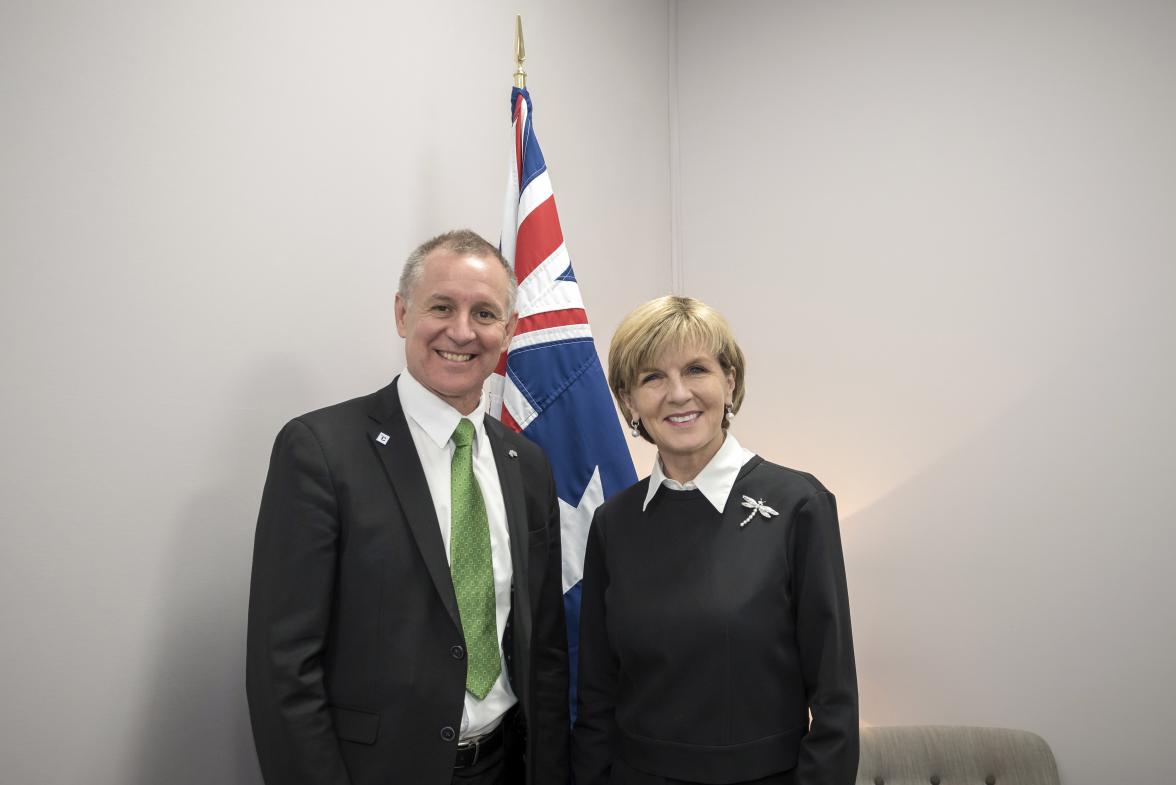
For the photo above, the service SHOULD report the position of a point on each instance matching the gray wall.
(945, 235)
(204, 211)
(942, 231)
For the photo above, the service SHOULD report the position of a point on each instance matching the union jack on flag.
(549, 383)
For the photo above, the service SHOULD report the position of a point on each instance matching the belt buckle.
(476, 744)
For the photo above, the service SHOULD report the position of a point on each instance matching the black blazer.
(355, 669)
(704, 643)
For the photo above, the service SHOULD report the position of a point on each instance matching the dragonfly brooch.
(756, 506)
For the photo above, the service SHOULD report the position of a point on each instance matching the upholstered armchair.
(954, 755)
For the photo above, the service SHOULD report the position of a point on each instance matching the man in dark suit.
(405, 614)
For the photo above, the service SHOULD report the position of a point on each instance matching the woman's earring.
(729, 412)
(636, 426)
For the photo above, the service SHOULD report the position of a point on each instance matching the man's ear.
(401, 312)
(508, 332)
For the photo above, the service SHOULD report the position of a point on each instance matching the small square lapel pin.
(382, 438)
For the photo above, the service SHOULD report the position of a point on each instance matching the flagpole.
(520, 74)
(550, 385)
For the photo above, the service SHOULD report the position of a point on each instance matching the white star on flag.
(575, 522)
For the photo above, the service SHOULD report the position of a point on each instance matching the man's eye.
(486, 317)
(439, 308)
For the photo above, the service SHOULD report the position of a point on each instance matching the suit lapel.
(510, 478)
(397, 451)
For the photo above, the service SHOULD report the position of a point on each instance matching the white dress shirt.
(431, 421)
(715, 480)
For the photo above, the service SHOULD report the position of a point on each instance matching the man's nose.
(461, 328)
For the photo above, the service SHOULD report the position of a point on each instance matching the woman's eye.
(696, 369)
(649, 377)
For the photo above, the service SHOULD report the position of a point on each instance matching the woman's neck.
(684, 467)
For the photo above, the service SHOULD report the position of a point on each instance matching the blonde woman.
(715, 619)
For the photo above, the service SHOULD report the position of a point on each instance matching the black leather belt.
(473, 750)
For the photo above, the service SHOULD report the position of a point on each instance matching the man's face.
(455, 325)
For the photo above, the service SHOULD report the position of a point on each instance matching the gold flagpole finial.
(520, 74)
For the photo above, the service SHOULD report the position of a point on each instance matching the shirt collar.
(434, 416)
(715, 480)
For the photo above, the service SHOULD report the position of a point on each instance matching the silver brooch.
(756, 506)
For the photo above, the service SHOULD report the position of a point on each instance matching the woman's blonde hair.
(669, 323)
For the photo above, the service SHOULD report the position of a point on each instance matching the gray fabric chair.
(954, 755)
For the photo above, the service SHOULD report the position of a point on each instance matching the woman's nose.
(678, 390)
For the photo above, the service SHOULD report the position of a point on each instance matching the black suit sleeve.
(592, 742)
(550, 731)
(829, 753)
(290, 597)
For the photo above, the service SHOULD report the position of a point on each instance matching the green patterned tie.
(469, 561)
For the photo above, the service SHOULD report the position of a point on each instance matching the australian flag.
(549, 384)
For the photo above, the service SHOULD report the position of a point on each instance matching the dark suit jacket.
(704, 643)
(356, 667)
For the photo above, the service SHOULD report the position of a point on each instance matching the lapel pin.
(756, 506)
(512, 454)
(382, 438)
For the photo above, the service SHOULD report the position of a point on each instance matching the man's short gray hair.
(462, 242)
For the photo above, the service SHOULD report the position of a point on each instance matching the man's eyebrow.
(489, 305)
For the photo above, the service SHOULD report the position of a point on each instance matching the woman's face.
(680, 400)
